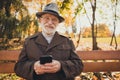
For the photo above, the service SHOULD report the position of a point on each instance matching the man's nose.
(50, 21)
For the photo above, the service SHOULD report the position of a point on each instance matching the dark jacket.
(61, 48)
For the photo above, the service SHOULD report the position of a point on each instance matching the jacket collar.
(55, 41)
(41, 40)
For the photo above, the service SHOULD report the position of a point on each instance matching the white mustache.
(47, 25)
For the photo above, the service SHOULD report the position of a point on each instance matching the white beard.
(47, 31)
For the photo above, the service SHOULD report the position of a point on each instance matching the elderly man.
(64, 63)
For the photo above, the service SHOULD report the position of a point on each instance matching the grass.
(103, 44)
(101, 40)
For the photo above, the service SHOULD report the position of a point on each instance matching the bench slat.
(99, 55)
(9, 55)
(88, 67)
(84, 55)
(101, 66)
(7, 67)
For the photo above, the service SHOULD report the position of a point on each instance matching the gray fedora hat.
(51, 8)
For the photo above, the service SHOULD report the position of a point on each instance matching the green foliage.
(14, 21)
(78, 8)
(9, 22)
(18, 5)
(65, 5)
(24, 24)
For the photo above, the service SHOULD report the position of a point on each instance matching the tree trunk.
(114, 22)
(94, 46)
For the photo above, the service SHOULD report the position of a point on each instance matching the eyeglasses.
(48, 18)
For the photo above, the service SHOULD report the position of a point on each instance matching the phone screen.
(45, 59)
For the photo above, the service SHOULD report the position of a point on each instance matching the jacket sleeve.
(24, 66)
(74, 66)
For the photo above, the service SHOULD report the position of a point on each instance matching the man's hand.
(53, 67)
(39, 69)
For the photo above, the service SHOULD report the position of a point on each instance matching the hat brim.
(39, 14)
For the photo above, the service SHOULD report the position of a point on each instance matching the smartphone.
(46, 59)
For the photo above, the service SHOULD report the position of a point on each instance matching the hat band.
(52, 12)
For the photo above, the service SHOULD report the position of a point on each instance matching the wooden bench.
(94, 61)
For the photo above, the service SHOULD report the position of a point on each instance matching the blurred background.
(91, 24)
